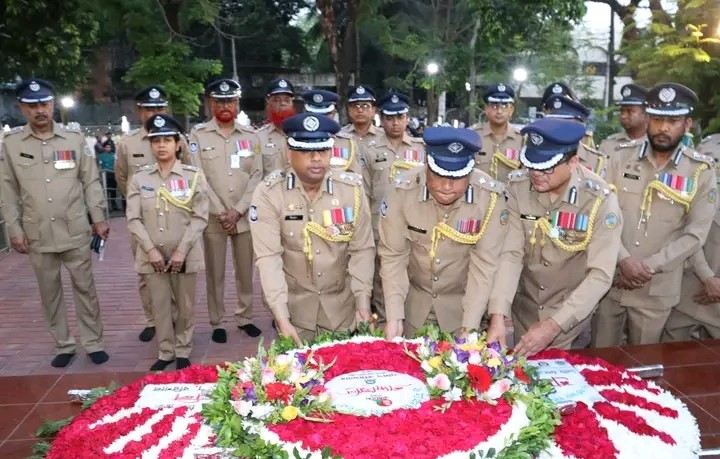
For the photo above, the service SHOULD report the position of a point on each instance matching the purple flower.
(460, 341)
(495, 346)
(250, 395)
(301, 358)
(462, 356)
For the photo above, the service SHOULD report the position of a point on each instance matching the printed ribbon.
(550, 230)
(319, 231)
(443, 229)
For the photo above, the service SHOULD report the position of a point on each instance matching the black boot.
(147, 334)
(182, 363)
(62, 360)
(160, 365)
(250, 329)
(99, 357)
(219, 335)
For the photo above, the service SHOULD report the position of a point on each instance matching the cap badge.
(626, 92)
(317, 98)
(667, 95)
(501, 87)
(557, 104)
(159, 122)
(536, 138)
(34, 86)
(557, 89)
(311, 123)
(394, 99)
(455, 147)
(224, 87)
(360, 90)
(282, 84)
(154, 94)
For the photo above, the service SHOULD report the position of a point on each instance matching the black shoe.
(182, 363)
(99, 357)
(61, 360)
(219, 335)
(147, 334)
(250, 329)
(160, 365)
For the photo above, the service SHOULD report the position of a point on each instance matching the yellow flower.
(289, 413)
(494, 362)
(435, 362)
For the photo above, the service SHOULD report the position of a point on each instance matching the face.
(107, 148)
(395, 125)
(555, 178)
(446, 190)
(164, 147)
(310, 166)
(224, 110)
(361, 112)
(633, 117)
(499, 114)
(278, 103)
(146, 112)
(665, 132)
(38, 115)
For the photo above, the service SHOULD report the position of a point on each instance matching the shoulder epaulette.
(595, 185)
(147, 167)
(71, 128)
(417, 140)
(274, 177)
(344, 135)
(197, 126)
(699, 156)
(590, 149)
(349, 178)
(15, 130)
(264, 127)
(485, 181)
(476, 126)
(190, 167)
(518, 175)
(707, 139)
(613, 136)
(242, 127)
(409, 179)
(130, 133)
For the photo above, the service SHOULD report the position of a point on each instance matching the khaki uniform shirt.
(372, 136)
(155, 221)
(49, 187)
(232, 166)
(592, 159)
(497, 156)
(382, 164)
(273, 146)
(340, 274)
(619, 143)
(455, 283)
(551, 280)
(666, 233)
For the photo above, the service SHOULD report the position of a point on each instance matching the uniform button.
(229, 173)
(643, 220)
(161, 214)
(162, 245)
(637, 243)
(434, 295)
(541, 307)
(317, 252)
(52, 219)
(49, 199)
(291, 234)
(546, 264)
(380, 168)
(231, 190)
(435, 278)
(47, 180)
(227, 140)
(319, 274)
(162, 184)
(624, 188)
(445, 216)
(44, 143)
(311, 211)
(437, 261)
(46, 161)
(162, 229)
(542, 287)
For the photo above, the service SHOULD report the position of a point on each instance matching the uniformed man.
(229, 155)
(697, 315)
(167, 211)
(362, 110)
(633, 120)
(558, 88)
(50, 183)
(500, 140)
(393, 153)
(279, 107)
(563, 237)
(312, 224)
(562, 107)
(441, 234)
(346, 152)
(668, 198)
(133, 152)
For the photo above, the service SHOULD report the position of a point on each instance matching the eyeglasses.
(499, 106)
(550, 170)
(361, 106)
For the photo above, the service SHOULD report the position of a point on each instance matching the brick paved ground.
(26, 346)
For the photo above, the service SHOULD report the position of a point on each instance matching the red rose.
(444, 346)
(317, 390)
(279, 391)
(480, 378)
(521, 376)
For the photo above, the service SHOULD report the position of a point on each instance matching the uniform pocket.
(77, 223)
(32, 229)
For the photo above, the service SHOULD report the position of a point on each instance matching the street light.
(468, 88)
(520, 74)
(432, 68)
(66, 103)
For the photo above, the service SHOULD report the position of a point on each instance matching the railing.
(4, 238)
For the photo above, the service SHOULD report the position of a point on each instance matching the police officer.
(279, 107)
(633, 119)
(361, 111)
(50, 183)
(440, 239)
(133, 152)
(229, 155)
(312, 224)
(346, 152)
(558, 88)
(668, 198)
(167, 211)
(393, 153)
(501, 141)
(563, 236)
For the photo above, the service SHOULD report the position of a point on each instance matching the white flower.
(423, 351)
(242, 407)
(426, 367)
(243, 377)
(453, 395)
(498, 388)
(283, 359)
(472, 338)
(262, 411)
(440, 381)
(312, 374)
(295, 374)
(323, 397)
(475, 358)
(268, 376)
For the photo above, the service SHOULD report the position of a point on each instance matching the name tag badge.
(138, 155)
(294, 217)
(631, 176)
(481, 153)
(235, 161)
(147, 188)
(529, 217)
(416, 229)
(380, 159)
(27, 155)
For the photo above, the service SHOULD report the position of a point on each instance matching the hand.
(19, 244)
(175, 263)
(712, 287)
(496, 330)
(635, 271)
(702, 298)
(102, 229)
(538, 337)
(232, 231)
(229, 219)
(364, 315)
(393, 328)
(156, 260)
(285, 328)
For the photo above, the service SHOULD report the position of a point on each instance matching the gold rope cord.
(164, 195)
(319, 231)
(668, 192)
(545, 226)
(501, 158)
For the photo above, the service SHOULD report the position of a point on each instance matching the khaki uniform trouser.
(323, 325)
(682, 327)
(242, 254)
(377, 300)
(145, 297)
(87, 308)
(643, 325)
(173, 292)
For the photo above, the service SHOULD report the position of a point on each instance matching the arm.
(361, 266)
(10, 196)
(198, 218)
(216, 206)
(90, 178)
(267, 245)
(484, 260)
(136, 226)
(394, 253)
(694, 232)
(601, 260)
(121, 167)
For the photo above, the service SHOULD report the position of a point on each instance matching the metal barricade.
(4, 238)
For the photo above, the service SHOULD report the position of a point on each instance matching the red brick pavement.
(26, 346)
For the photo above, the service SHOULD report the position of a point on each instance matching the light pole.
(433, 108)
(66, 103)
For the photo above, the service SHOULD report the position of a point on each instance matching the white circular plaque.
(376, 392)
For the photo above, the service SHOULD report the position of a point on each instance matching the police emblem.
(536, 138)
(455, 147)
(317, 98)
(557, 89)
(501, 87)
(394, 99)
(34, 86)
(557, 104)
(224, 87)
(311, 123)
(626, 92)
(611, 221)
(252, 214)
(504, 217)
(193, 147)
(667, 95)
(159, 122)
(712, 197)
(360, 90)
(384, 208)
(154, 94)
(282, 84)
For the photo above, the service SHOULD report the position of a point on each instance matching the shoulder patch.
(485, 181)
(15, 130)
(518, 175)
(274, 177)
(190, 168)
(349, 178)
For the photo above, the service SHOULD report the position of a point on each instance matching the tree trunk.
(472, 95)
